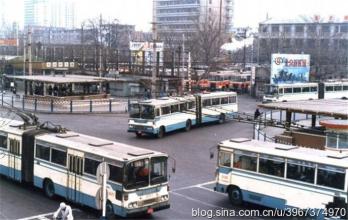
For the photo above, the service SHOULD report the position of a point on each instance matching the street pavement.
(191, 186)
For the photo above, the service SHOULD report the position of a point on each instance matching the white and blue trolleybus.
(159, 116)
(283, 177)
(65, 164)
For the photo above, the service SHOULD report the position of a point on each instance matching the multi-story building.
(55, 13)
(178, 17)
(325, 40)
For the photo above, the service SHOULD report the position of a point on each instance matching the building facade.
(55, 13)
(325, 40)
(178, 17)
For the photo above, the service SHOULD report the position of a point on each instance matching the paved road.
(191, 186)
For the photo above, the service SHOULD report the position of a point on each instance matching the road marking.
(42, 216)
(195, 200)
(193, 186)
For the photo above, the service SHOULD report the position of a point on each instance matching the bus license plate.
(149, 210)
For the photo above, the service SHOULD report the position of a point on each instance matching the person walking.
(256, 114)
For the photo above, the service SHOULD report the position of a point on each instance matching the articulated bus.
(305, 91)
(283, 177)
(159, 116)
(65, 164)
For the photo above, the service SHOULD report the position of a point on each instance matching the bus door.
(14, 159)
(74, 176)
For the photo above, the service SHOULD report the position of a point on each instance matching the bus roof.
(166, 100)
(216, 94)
(97, 146)
(294, 84)
(327, 157)
(13, 126)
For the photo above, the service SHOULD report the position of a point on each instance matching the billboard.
(8, 42)
(289, 68)
(138, 48)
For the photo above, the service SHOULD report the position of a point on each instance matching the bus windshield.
(137, 174)
(142, 111)
(143, 172)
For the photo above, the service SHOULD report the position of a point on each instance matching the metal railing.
(65, 106)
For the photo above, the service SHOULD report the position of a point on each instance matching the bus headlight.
(131, 126)
(133, 205)
(164, 198)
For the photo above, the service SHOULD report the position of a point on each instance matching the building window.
(275, 29)
(286, 28)
(311, 28)
(344, 28)
(299, 28)
(325, 28)
(343, 141)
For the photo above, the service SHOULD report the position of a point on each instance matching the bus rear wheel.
(161, 132)
(48, 188)
(188, 125)
(235, 196)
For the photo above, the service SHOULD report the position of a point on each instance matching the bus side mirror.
(211, 155)
(173, 169)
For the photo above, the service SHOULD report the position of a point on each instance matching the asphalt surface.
(191, 186)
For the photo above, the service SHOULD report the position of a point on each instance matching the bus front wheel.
(109, 210)
(138, 134)
(161, 132)
(235, 195)
(48, 188)
(188, 125)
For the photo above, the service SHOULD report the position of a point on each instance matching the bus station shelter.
(336, 108)
(64, 86)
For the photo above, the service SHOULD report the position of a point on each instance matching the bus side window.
(157, 112)
(58, 157)
(288, 90)
(165, 110)
(3, 142)
(206, 102)
(225, 159)
(116, 173)
(338, 88)
(91, 166)
(305, 89)
(328, 88)
(345, 88)
(314, 89)
(174, 108)
(224, 100)
(272, 165)
(42, 152)
(280, 90)
(245, 161)
(183, 107)
(301, 171)
(232, 99)
(297, 90)
(216, 101)
(331, 176)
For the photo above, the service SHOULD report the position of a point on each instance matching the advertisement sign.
(8, 42)
(290, 68)
(138, 48)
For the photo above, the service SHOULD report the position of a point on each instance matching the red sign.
(8, 42)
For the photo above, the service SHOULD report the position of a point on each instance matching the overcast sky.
(247, 12)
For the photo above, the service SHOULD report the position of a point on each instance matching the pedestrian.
(64, 212)
(256, 114)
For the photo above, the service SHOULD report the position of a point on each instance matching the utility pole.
(24, 54)
(189, 72)
(100, 46)
(182, 78)
(29, 53)
(154, 53)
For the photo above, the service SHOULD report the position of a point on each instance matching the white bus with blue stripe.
(65, 164)
(159, 116)
(283, 177)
